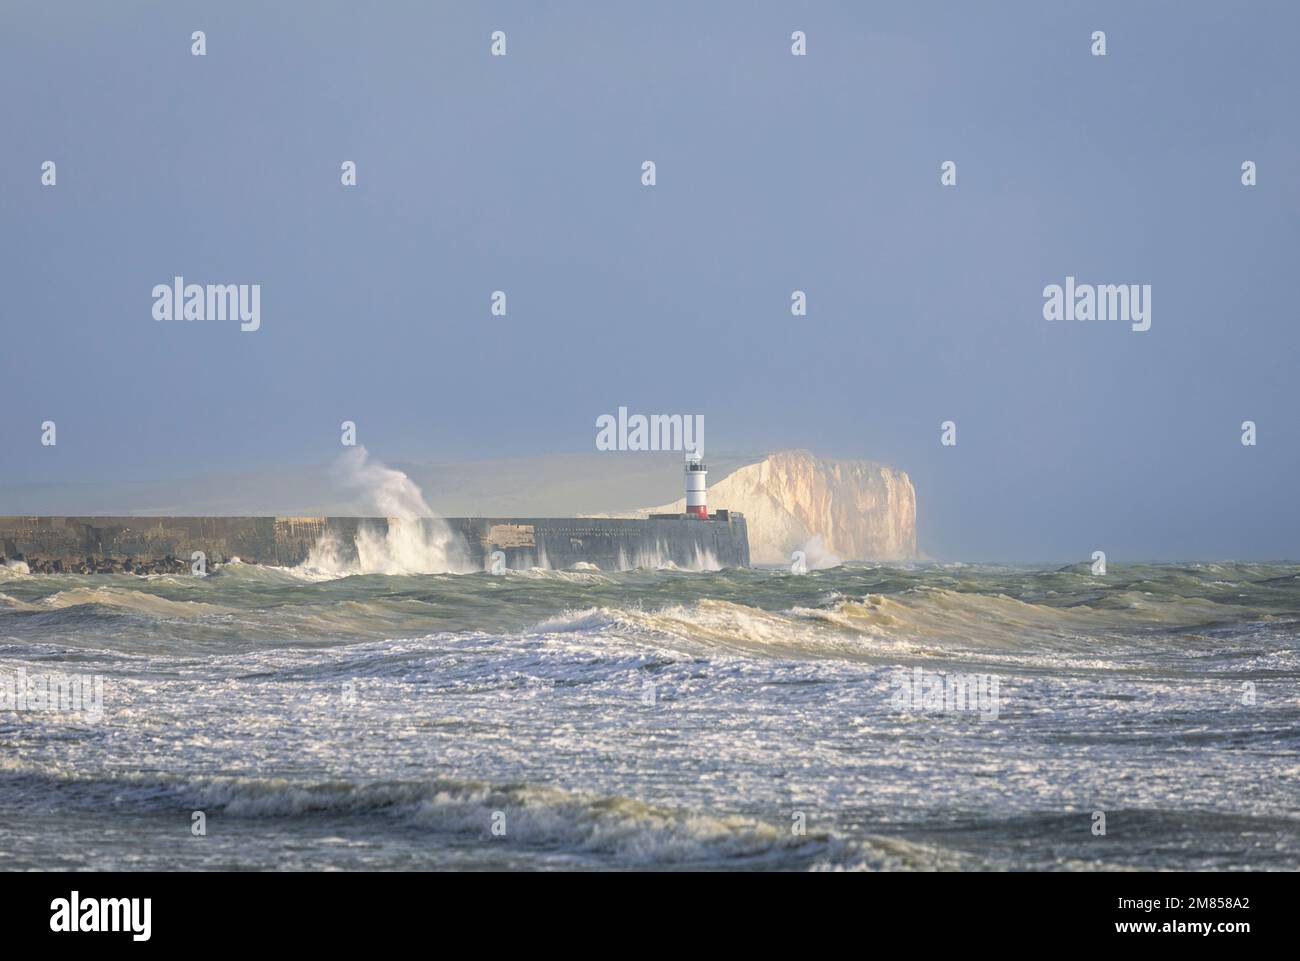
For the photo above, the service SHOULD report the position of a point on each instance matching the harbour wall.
(157, 544)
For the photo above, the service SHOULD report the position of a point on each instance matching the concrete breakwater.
(145, 545)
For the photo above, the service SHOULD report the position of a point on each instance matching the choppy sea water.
(656, 719)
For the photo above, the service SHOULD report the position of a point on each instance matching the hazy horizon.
(774, 174)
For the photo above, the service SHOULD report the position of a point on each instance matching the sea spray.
(819, 557)
(412, 541)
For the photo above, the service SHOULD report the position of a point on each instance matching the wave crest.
(532, 816)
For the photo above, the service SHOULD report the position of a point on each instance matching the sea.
(915, 717)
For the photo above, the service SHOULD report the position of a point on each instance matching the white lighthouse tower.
(696, 485)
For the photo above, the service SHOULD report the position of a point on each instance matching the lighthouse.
(696, 474)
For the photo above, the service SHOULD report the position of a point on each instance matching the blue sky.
(775, 173)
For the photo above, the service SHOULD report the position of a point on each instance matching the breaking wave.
(120, 598)
(414, 540)
(607, 829)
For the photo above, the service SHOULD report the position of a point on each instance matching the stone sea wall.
(143, 545)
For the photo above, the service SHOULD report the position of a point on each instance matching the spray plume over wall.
(416, 540)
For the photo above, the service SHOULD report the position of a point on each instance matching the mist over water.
(658, 718)
(385, 491)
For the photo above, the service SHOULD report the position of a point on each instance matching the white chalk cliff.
(860, 509)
